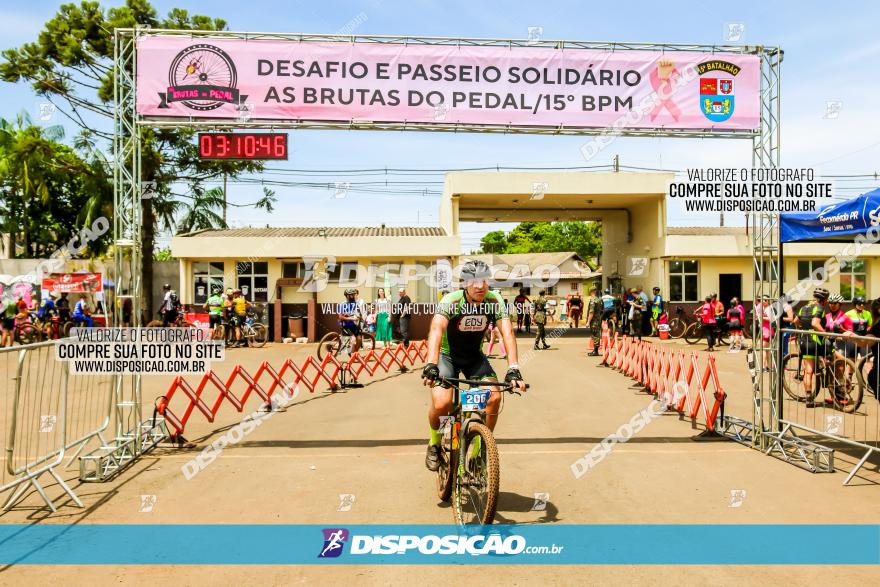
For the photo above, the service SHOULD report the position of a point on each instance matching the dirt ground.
(369, 442)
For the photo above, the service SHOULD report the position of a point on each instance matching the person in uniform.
(594, 319)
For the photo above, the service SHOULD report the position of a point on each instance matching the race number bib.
(474, 400)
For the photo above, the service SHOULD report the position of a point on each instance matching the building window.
(767, 271)
(293, 270)
(550, 289)
(853, 279)
(683, 278)
(253, 280)
(807, 267)
(574, 287)
(206, 276)
(346, 274)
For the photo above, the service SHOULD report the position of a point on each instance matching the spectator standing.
(627, 311)
(656, 310)
(404, 309)
(576, 307)
(609, 309)
(10, 309)
(170, 306)
(520, 304)
(735, 320)
(63, 306)
(706, 314)
(383, 318)
(240, 307)
(595, 312)
(645, 317)
(540, 318)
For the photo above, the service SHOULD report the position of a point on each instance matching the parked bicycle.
(180, 322)
(334, 343)
(696, 332)
(679, 325)
(255, 333)
(470, 475)
(841, 377)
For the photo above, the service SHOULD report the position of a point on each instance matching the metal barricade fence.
(829, 403)
(47, 413)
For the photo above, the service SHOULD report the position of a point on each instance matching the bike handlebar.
(501, 384)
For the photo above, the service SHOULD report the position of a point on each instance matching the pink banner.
(396, 83)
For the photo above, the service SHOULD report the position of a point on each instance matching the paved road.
(369, 442)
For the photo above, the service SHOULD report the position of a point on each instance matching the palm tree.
(30, 159)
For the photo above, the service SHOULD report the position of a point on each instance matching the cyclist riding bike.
(349, 314)
(861, 323)
(454, 346)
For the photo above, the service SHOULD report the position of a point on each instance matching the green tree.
(583, 238)
(71, 65)
(47, 190)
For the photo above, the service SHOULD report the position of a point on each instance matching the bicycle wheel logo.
(202, 77)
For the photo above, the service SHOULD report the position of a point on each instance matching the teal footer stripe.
(227, 544)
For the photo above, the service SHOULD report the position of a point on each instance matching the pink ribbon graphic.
(666, 88)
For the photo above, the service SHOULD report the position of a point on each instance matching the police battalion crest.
(717, 88)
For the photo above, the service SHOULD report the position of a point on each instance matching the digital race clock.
(243, 145)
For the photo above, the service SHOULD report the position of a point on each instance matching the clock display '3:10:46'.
(230, 145)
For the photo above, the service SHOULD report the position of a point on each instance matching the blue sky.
(831, 54)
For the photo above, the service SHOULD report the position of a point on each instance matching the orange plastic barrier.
(667, 374)
(308, 374)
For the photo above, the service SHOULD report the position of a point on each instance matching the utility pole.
(616, 163)
(224, 199)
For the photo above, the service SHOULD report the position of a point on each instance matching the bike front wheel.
(329, 345)
(475, 495)
(694, 333)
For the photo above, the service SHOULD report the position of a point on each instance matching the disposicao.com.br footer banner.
(428, 544)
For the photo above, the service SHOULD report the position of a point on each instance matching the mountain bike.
(334, 343)
(695, 333)
(254, 332)
(179, 322)
(470, 476)
(839, 376)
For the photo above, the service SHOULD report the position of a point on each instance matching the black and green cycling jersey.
(468, 322)
(806, 315)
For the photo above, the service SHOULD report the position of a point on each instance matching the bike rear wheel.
(475, 495)
(448, 465)
(677, 327)
(793, 378)
(329, 345)
(259, 335)
(848, 385)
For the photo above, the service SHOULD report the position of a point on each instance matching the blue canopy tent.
(839, 222)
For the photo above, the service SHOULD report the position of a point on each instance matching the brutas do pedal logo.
(202, 77)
